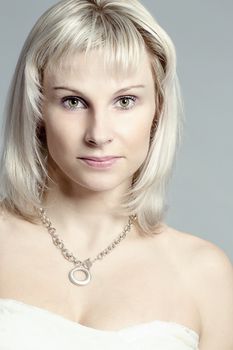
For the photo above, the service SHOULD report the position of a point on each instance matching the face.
(90, 113)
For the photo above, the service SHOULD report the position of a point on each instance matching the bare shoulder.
(5, 220)
(207, 260)
(8, 227)
(11, 228)
(211, 280)
(198, 256)
(201, 251)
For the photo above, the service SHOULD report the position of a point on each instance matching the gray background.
(200, 194)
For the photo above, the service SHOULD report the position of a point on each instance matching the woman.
(93, 124)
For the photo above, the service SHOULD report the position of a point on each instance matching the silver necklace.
(83, 266)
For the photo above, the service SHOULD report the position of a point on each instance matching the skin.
(173, 276)
(86, 197)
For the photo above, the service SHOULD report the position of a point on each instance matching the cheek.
(55, 138)
(61, 138)
(141, 128)
(140, 141)
(62, 147)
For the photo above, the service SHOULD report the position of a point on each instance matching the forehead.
(94, 66)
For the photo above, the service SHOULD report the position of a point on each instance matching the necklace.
(83, 266)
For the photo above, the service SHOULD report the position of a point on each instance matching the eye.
(125, 101)
(71, 102)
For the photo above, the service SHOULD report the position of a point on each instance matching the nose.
(98, 133)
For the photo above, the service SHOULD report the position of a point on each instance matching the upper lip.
(100, 159)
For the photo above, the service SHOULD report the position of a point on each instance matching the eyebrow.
(79, 92)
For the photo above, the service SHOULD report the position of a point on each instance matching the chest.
(131, 287)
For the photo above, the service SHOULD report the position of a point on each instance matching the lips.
(100, 159)
(100, 163)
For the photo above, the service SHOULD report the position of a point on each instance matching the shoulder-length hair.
(120, 29)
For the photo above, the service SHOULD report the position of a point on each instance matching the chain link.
(58, 242)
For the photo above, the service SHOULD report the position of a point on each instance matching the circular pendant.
(80, 282)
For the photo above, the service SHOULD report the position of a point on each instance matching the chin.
(100, 186)
(102, 182)
(99, 182)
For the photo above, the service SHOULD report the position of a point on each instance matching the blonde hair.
(120, 29)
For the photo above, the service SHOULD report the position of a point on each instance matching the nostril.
(91, 141)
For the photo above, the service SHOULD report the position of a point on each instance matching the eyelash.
(69, 98)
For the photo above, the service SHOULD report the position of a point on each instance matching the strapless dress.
(28, 327)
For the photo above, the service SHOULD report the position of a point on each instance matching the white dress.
(28, 327)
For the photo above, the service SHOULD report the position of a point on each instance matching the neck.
(87, 220)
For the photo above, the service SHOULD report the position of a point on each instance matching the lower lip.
(100, 165)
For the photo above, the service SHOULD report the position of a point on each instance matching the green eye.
(126, 100)
(71, 103)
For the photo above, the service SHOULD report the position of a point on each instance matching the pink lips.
(100, 163)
